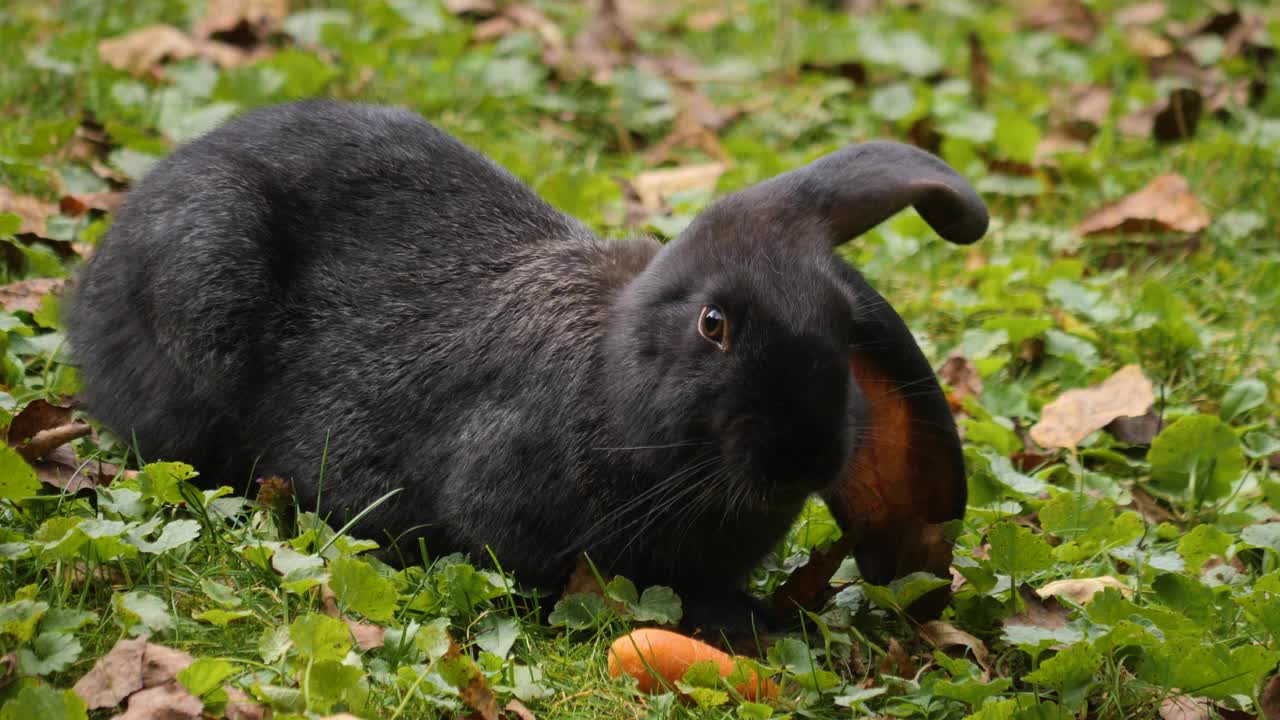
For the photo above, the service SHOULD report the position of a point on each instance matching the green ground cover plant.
(1120, 556)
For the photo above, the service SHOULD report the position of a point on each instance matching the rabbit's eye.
(714, 327)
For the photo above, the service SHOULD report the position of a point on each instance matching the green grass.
(1037, 308)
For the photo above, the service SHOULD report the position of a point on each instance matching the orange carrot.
(669, 655)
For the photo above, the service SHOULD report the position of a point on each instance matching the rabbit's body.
(330, 274)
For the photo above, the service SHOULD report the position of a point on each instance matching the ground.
(1119, 561)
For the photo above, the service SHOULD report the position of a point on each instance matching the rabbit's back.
(351, 275)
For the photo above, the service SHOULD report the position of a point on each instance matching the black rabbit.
(323, 278)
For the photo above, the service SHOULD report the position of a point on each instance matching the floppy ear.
(907, 477)
(854, 189)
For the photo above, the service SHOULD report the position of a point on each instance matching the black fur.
(331, 272)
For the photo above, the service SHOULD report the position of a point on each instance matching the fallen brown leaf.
(37, 415)
(1081, 590)
(1144, 13)
(46, 441)
(1174, 118)
(1166, 204)
(897, 662)
(27, 294)
(653, 186)
(943, 635)
(1079, 111)
(170, 701)
(241, 707)
(1070, 19)
(367, 635)
(1139, 430)
(704, 20)
(60, 468)
(90, 142)
(979, 69)
(143, 51)
(242, 22)
(1077, 413)
(31, 211)
(115, 676)
(8, 663)
(1269, 701)
(77, 205)
(476, 694)
(1146, 43)
(961, 374)
(107, 574)
(605, 43)
(517, 708)
(697, 124)
(1047, 614)
(134, 665)
(161, 664)
(483, 8)
(1056, 142)
(1149, 507)
(1183, 707)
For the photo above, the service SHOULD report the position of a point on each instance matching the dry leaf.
(1081, 590)
(704, 20)
(367, 635)
(77, 205)
(45, 441)
(1141, 14)
(31, 211)
(27, 294)
(476, 694)
(1081, 110)
(170, 701)
(655, 185)
(1148, 44)
(1149, 507)
(107, 574)
(242, 22)
(1077, 413)
(241, 707)
(484, 8)
(1166, 204)
(42, 430)
(38, 415)
(944, 635)
(897, 662)
(1174, 118)
(143, 51)
(1269, 701)
(696, 125)
(60, 468)
(162, 664)
(1047, 614)
(517, 708)
(605, 43)
(1069, 19)
(1056, 142)
(979, 69)
(115, 676)
(1136, 430)
(962, 376)
(1183, 707)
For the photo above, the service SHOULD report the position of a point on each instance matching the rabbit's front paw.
(737, 621)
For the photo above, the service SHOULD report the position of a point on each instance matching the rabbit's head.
(737, 345)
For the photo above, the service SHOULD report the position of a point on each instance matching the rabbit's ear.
(854, 189)
(907, 477)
